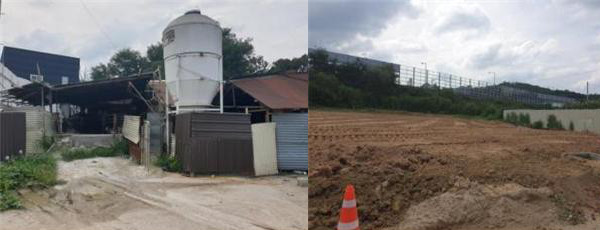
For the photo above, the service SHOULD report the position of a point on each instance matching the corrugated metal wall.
(12, 134)
(37, 123)
(292, 140)
(131, 128)
(209, 143)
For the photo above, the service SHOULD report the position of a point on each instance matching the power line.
(98, 24)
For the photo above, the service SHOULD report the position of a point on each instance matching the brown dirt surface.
(420, 171)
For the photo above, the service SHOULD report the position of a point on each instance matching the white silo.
(192, 49)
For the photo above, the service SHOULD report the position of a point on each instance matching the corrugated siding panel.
(131, 128)
(37, 122)
(292, 140)
(214, 143)
(12, 134)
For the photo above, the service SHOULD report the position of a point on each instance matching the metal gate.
(292, 140)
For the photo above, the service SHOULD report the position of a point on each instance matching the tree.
(238, 56)
(285, 64)
(127, 62)
(100, 72)
(154, 53)
(238, 59)
(124, 63)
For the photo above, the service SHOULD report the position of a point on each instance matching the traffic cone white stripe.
(349, 204)
(348, 226)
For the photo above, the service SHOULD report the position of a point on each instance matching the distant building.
(56, 69)
(350, 59)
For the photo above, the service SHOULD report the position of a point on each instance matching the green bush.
(28, 171)
(168, 163)
(8, 200)
(571, 126)
(120, 146)
(554, 123)
(512, 118)
(46, 142)
(524, 119)
(538, 125)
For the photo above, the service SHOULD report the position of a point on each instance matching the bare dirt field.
(113, 193)
(419, 171)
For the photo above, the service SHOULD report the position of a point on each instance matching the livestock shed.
(56, 69)
(282, 99)
(92, 107)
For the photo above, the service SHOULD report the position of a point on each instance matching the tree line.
(355, 85)
(239, 59)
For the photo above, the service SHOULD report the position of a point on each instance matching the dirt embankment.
(414, 171)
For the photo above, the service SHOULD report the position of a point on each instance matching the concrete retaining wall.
(583, 119)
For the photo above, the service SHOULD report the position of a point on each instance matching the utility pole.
(587, 91)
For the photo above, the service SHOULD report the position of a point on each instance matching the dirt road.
(112, 193)
(418, 171)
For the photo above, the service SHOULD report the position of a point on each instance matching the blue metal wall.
(53, 67)
(292, 140)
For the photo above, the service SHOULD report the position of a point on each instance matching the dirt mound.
(387, 182)
(489, 207)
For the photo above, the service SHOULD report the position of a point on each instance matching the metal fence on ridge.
(420, 77)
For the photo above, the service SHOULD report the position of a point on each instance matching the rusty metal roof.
(278, 91)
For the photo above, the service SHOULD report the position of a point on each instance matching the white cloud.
(279, 28)
(554, 44)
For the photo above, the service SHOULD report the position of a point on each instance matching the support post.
(413, 81)
(167, 130)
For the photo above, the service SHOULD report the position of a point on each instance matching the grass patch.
(28, 171)
(118, 148)
(168, 163)
(46, 142)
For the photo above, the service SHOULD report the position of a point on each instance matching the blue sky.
(552, 43)
(278, 28)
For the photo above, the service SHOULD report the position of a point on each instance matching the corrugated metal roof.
(24, 62)
(279, 91)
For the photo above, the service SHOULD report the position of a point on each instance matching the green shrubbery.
(571, 126)
(538, 125)
(118, 148)
(168, 163)
(356, 86)
(46, 142)
(28, 171)
(522, 119)
(554, 123)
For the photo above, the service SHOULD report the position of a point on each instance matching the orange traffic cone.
(348, 213)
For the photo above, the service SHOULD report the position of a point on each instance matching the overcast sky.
(552, 43)
(279, 28)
